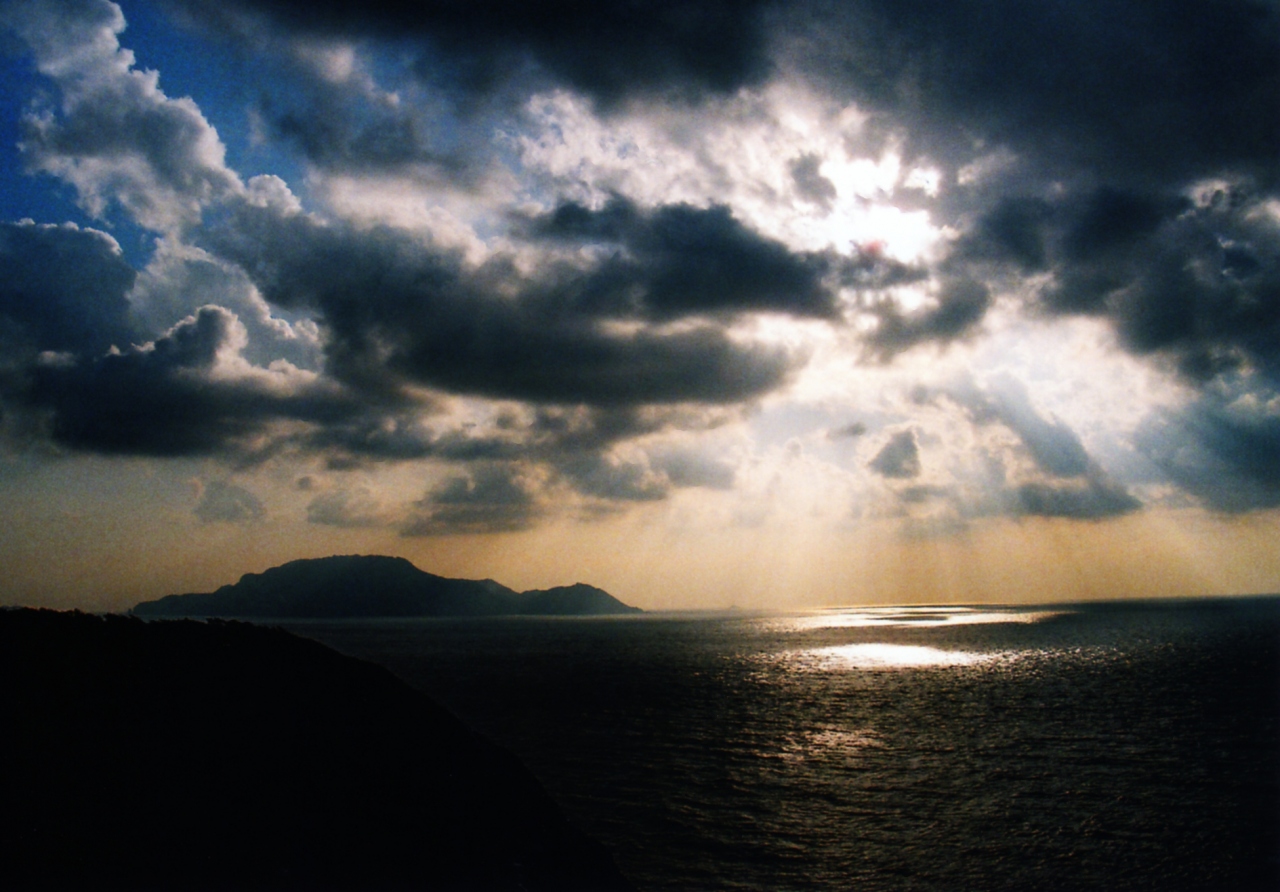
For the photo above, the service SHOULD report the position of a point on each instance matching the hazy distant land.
(366, 586)
(188, 755)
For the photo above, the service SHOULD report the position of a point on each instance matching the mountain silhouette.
(356, 586)
(223, 755)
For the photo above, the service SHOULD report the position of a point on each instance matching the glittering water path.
(906, 749)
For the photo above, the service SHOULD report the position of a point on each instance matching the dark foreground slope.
(349, 586)
(183, 755)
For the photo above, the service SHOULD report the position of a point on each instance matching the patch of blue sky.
(39, 196)
(224, 79)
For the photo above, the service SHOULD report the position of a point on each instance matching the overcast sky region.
(708, 302)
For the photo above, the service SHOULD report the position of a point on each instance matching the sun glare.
(889, 656)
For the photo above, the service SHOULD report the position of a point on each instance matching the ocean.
(1087, 746)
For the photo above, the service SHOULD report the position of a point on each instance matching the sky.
(705, 303)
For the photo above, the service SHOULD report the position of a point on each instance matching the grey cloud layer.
(1111, 112)
(490, 499)
(63, 289)
(678, 260)
(398, 310)
(1150, 88)
(1198, 281)
(609, 51)
(165, 397)
(960, 307)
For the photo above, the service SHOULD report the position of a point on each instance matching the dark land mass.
(207, 756)
(354, 586)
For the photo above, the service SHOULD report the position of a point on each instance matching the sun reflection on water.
(913, 617)
(888, 656)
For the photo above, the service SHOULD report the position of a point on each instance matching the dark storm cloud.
(491, 498)
(959, 309)
(899, 458)
(78, 367)
(1139, 88)
(223, 502)
(1174, 88)
(1012, 232)
(62, 289)
(393, 433)
(347, 124)
(1090, 239)
(1224, 449)
(178, 396)
(678, 260)
(1111, 221)
(1118, 103)
(1111, 112)
(1197, 281)
(162, 399)
(595, 428)
(1092, 498)
(608, 51)
(616, 481)
(1205, 290)
(1190, 278)
(337, 129)
(576, 446)
(397, 310)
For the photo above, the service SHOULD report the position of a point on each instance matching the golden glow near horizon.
(115, 554)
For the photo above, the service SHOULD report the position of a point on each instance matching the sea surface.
(1099, 746)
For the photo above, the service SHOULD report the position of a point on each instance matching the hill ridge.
(369, 586)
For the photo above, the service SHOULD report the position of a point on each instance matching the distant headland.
(368, 586)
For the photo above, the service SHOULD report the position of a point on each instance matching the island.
(218, 755)
(375, 586)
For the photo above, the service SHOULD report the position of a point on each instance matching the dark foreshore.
(185, 755)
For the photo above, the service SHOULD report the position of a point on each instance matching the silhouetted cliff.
(371, 585)
(186, 755)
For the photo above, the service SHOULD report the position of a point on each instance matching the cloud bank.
(573, 258)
